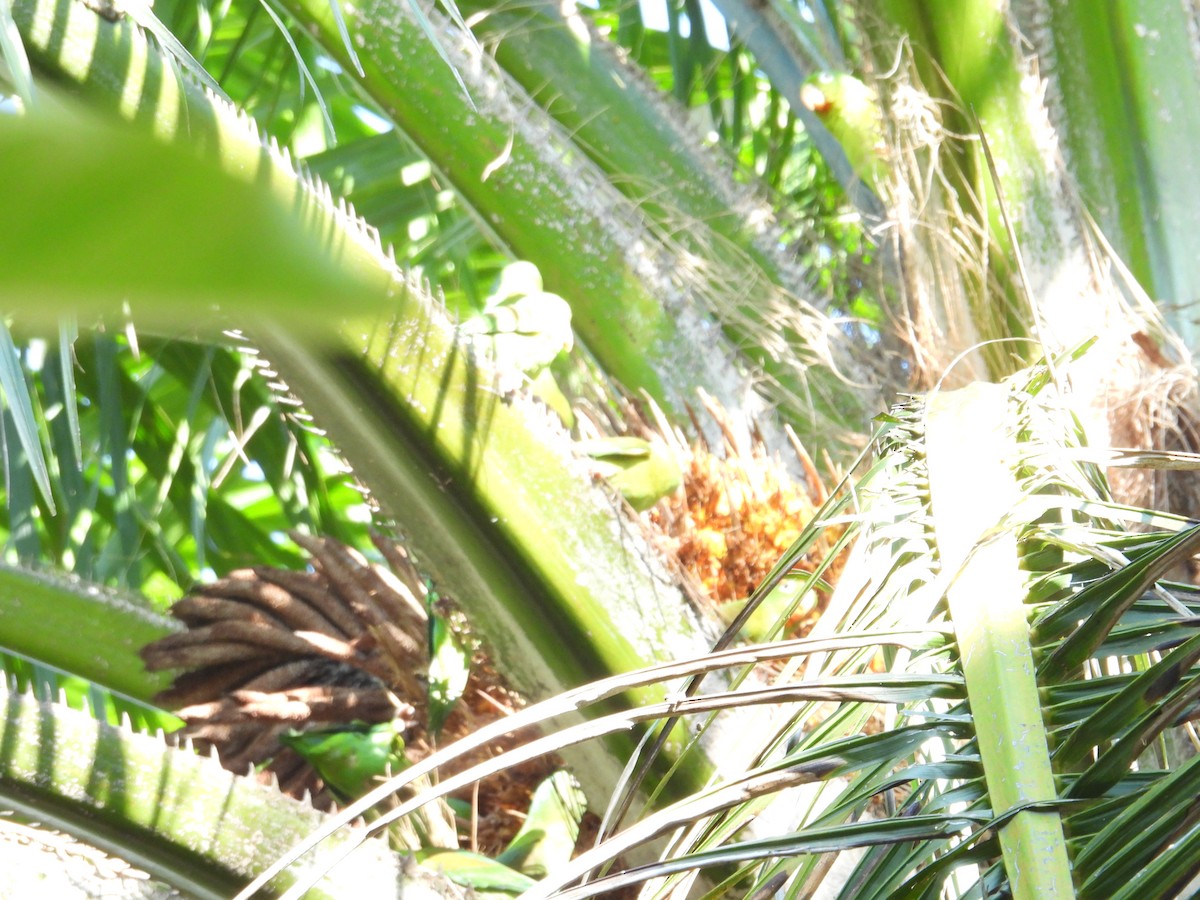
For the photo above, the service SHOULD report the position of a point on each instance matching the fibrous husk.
(1158, 408)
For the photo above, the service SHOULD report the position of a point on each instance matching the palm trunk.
(1038, 277)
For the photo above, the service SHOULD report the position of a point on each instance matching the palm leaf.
(167, 810)
(12, 52)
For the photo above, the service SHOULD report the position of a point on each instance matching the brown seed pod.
(366, 662)
(303, 705)
(199, 609)
(203, 684)
(278, 602)
(204, 653)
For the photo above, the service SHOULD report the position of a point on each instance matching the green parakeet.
(524, 326)
(473, 870)
(643, 472)
(544, 844)
(850, 110)
(526, 329)
(547, 837)
(769, 613)
(351, 757)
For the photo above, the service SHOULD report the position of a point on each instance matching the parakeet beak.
(814, 98)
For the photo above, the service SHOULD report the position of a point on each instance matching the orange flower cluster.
(735, 515)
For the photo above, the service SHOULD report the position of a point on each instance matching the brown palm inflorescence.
(266, 651)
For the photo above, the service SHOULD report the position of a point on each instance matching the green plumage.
(850, 110)
(351, 758)
(643, 472)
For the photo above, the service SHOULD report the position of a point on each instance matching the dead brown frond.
(1159, 410)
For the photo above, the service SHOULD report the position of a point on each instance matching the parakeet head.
(850, 110)
(824, 92)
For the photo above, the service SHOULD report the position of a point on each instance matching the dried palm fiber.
(1157, 408)
(738, 507)
(1139, 376)
(268, 650)
(933, 253)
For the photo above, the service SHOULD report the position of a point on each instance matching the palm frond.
(211, 464)
(199, 827)
(922, 794)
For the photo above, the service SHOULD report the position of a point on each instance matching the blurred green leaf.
(12, 53)
(99, 215)
(17, 398)
(449, 668)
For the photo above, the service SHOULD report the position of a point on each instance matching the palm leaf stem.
(688, 197)
(171, 812)
(593, 246)
(969, 455)
(81, 629)
(1124, 93)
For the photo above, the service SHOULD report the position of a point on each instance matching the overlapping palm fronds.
(1090, 760)
(904, 768)
(1110, 647)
